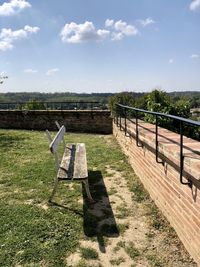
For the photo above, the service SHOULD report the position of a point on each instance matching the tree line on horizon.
(140, 97)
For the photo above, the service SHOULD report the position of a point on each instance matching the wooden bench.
(72, 166)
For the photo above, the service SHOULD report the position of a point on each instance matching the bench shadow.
(98, 217)
(65, 207)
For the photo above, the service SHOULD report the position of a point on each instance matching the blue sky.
(99, 45)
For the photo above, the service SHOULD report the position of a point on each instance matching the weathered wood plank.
(74, 163)
(66, 167)
(80, 164)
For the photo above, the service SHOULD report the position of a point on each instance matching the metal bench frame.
(82, 176)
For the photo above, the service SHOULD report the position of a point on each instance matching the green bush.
(158, 101)
(34, 105)
(124, 98)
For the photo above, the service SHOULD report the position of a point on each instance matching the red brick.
(163, 183)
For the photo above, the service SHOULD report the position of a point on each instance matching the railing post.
(182, 157)
(116, 114)
(156, 138)
(157, 141)
(136, 124)
(114, 117)
(125, 121)
(120, 118)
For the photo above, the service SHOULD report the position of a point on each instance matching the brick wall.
(96, 121)
(179, 203)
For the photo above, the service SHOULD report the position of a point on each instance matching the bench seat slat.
(80, 166)
(74, 163)
(64, 171)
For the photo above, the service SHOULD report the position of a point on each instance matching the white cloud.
(195, 56)
(31, 71)
(147, 22)
(31, 29)
(4, 46)
(109, 22)
(120, 29)
(125, 29)
(52, 71)
(13, 6)
(79, 33)
(117, 36)
(8, 36)
(171, 60)
(195, 5)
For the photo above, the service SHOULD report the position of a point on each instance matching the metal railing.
(56, 105)
(122, 112)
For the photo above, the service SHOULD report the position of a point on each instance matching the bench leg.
(54, 189)
(88, 190)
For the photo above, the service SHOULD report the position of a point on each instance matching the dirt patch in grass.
(140, 242)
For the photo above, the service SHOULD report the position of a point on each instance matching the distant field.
(24, 97)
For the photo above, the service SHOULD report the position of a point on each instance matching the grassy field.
(36, 233)
(31, 231)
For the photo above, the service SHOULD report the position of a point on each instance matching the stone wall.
(179, 203)
(96, 121)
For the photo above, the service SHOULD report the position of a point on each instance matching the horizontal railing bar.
(189, 121)
(158, 114)
(50, 102)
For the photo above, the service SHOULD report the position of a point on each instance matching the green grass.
(154, 261)
(122, 211)
(131, 250)
(123, 227)
(117, 261)
(36, 233)
(89, 253)
(33, 232)
(82, 263)
(112, 191)
(157, 221)
(139, 194)
(120, 244)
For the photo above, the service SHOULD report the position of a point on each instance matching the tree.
(124, 98)
(2, 78)
(182, 108)
(141, 102)
(158, 101)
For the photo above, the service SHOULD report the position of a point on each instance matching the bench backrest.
(54, 143)
(57, 140)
